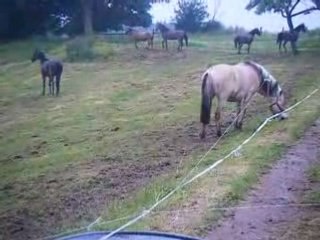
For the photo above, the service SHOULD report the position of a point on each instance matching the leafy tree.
(21, 18)
(287, 8)
(190, 14)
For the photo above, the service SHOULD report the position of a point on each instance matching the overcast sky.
(232, 13)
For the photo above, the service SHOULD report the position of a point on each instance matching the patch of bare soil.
(271, 211)
(82, 192)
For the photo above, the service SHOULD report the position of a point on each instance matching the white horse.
(238, 83)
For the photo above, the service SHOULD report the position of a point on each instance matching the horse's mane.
(266, 85)
(257, 69)
(163, 26)
(301, 25)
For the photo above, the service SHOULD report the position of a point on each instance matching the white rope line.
(289, 205)
(148, 211)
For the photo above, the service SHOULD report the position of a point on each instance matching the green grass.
(123, 113)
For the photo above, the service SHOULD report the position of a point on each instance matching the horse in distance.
(246, 38)
(140, 35)
(284, 37)
(238, 83)
(51, 69)
(170, 34)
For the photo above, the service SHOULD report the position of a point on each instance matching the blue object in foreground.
(128, 236)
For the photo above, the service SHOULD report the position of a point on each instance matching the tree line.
(22, 18)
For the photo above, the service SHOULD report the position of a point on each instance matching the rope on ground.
(214, 165)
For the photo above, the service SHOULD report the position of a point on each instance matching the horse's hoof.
(238, 126)
(202, 135)
(219, 134)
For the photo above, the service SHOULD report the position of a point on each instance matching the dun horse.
(141, 36)
(51, 69)
(238, 83)
(286, 36)
(169, 34)
(246, 38)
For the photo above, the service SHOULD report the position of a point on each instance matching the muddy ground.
(277, 208)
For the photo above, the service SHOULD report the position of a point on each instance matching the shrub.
(80, 48)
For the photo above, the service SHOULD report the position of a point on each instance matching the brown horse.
(140, 36)
(169, 34)
(238, 83)
(246, 38)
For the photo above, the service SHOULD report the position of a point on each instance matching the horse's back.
(53, 67)
(228, 80)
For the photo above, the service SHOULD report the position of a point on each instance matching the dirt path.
(284, 188)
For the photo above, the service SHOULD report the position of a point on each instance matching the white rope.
(148, 211)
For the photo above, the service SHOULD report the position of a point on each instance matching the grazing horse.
(246, 38)
(290, 36)
(49, 68)
(140, 36)
(238, 83)
(169, 34)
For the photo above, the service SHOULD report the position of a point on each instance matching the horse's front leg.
(239, 48)
(179, 45)
(284, 46)
(248, 50)
(136, 45)
(43, 85)
(280, 43)
(240, 115)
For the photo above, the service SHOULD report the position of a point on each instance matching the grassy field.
(125, 130)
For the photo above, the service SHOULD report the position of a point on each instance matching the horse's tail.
(185, 36)
(205, 102)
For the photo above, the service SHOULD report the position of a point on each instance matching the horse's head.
(161, 27)
(277, 104)
(128, 31)
(38, 55)
(35, 55)
(271, 88)
(256, 31)
(301, 28)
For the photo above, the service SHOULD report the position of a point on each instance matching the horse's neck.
(43, 60)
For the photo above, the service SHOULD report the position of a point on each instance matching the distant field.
(125, 130)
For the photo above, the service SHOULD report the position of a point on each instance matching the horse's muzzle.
(282, 115)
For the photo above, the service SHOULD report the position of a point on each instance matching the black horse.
(49, 68)
(246, 38)
(290, 36)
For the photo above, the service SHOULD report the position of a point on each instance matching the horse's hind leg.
(217, 118)
(240, 115)
(58, 84)
(50, 82)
